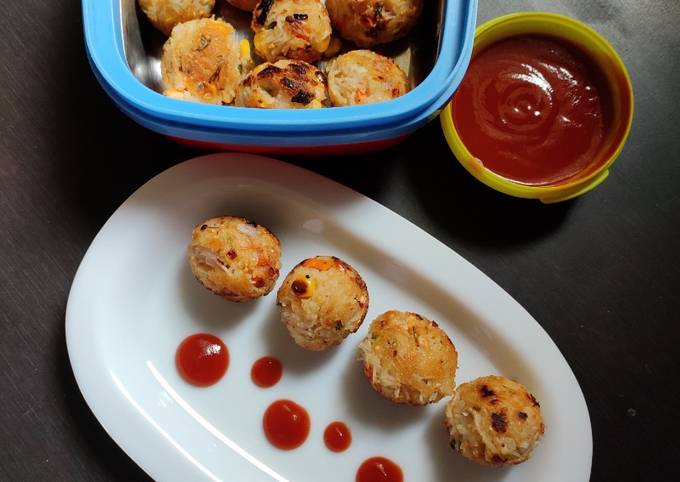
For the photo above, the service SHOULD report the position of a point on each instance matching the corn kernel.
(304, 287)
(244, 48)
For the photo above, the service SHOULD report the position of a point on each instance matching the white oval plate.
(134, 299)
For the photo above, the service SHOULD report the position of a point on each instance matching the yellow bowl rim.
(556, 193)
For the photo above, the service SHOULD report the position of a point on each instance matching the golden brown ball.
(409, 359)
(165, 14)
(234, 258)
(291, 29)
(373, 22)
(364, 77)
(494, 420)
(202, 62)
(286, 84)
(323, 300)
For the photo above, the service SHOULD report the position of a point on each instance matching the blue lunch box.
(292, 131)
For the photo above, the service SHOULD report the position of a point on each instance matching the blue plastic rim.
(243, 126)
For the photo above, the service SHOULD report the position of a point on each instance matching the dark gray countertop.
(601, 274)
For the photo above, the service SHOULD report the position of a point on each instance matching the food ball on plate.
(165, 14)
(409, 359)
(373, 22)
(291, 29)
(493, 420)
(202, 61)
(286, 84)
(234, 258)
(322, 301)
(247, 5)
(364, 77)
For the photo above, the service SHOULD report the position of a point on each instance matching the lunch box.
(124, 51)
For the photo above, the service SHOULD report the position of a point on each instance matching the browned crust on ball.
(235, 258)
(323, 300)
(409, 359)
(494, 421)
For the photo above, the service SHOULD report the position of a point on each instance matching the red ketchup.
(379, 469)
(337, 437)
(533, 109)
(266, 372)
(202, 359)
(286, 424)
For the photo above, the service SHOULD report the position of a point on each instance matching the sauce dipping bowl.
(616, 80)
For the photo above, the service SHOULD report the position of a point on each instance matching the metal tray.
(416, 53)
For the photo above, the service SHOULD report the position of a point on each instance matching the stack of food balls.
(407, 358)
(203, 61)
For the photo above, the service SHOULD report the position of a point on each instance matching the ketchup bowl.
(544, 110)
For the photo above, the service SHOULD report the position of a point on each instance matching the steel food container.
(124, 53)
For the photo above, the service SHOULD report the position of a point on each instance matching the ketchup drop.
(379, 469)
(266, 372)
(202, 359)
(286, 424)
(337, 437)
